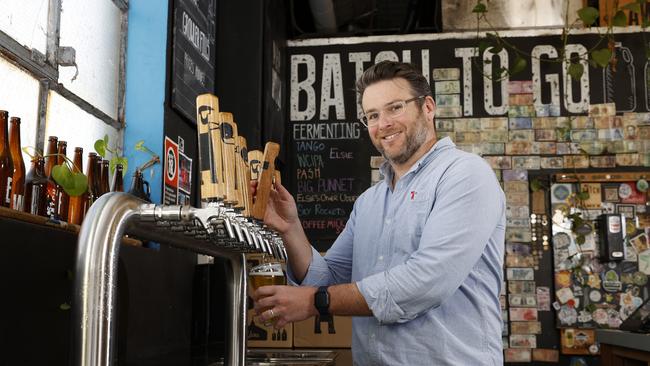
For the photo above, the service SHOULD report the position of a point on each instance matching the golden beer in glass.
(266, 274)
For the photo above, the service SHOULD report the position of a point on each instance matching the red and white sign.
(171, 163)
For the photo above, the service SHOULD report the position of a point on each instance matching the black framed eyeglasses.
(391, 110)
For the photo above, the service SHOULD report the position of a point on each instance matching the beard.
(414, 140)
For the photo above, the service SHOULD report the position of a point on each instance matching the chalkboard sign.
(193, 53)
(332, 149)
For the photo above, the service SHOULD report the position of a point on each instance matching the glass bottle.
(51, 194)
(77, 203)
(63, 197)
(6, 163)
(118, 180)
(18, 177)
(104, 175)
(91, 173)
(137, 186)
(35, 188)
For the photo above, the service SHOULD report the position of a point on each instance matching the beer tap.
(231, 198)
(255, 158)
(217, 227)
(265, 175)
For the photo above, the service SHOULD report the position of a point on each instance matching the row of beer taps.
(230, 216)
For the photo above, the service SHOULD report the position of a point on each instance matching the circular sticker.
(595, 296)
(593, 349)
(642, 185)
(624, 190)
(561, 192)
(600, 316)
(639, 278)
(614, 318)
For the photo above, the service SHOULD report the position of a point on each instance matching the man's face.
(397, 139)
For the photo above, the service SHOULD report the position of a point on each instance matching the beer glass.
(266, 274)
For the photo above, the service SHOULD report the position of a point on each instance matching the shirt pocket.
(415, 216)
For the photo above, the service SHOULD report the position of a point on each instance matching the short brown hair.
(388, 70)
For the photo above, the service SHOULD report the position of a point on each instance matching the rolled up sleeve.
(336, 266)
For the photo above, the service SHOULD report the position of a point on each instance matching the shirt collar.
(387, 170)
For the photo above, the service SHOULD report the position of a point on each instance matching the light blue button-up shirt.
(427, 257)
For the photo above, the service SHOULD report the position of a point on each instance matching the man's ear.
(430, 106)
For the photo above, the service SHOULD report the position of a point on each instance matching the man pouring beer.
(419, 263)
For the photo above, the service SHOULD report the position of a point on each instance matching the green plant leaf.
(106, 139)
(602, 56)
(580, 239)
(139, 146)
(112, 164)
(78, 185)
(635, 7)
(62, 175)
(576, 70)
(496, 49)
(100, 147)
(588, 15)
(479, 8)
(619, 20)
(518, 66)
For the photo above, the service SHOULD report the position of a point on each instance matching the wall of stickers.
(531, 131)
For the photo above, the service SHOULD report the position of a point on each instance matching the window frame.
(44, 68)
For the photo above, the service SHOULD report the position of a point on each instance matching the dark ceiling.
(367, 17)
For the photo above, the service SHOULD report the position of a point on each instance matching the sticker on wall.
(170, 172)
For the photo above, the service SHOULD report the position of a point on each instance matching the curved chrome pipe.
(96, 278)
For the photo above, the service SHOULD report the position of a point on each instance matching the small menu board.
(193, 53)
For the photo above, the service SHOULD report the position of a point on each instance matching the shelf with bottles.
(10, 214)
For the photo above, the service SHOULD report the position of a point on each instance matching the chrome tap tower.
(229, 224)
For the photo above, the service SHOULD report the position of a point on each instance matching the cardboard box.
(311, 333)
(259, 335)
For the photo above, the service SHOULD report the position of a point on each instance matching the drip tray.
(274, 357)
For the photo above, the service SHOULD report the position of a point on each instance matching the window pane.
(75, 126)
(19, 96)
(25, 21)
(92, 27)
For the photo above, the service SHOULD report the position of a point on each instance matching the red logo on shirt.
(413, 195)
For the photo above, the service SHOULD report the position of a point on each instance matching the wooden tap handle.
(229, 173)
(207, 119)
(244, 174)
(237, 165)
(265, 179)
(277, 177)
(255, 162)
